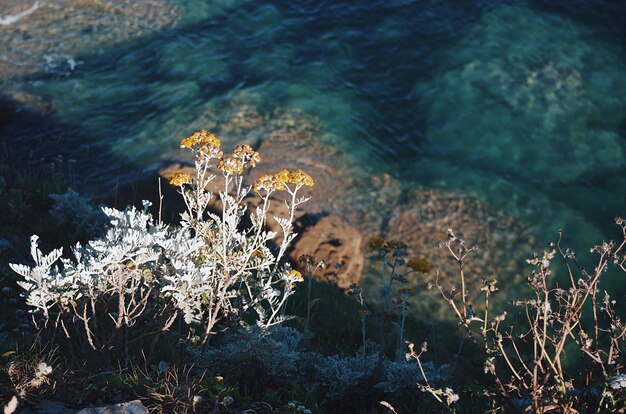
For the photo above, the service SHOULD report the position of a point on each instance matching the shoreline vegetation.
(142, 274)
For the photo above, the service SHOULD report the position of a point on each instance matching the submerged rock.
(528, 94)
(236, 120)
(347, 203)
(422, 222)
(290, 138)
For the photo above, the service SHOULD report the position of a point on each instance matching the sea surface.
(520, 104)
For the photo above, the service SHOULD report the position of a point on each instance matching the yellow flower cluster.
(293, 276)
(242, 156)
(378, 243)
(277, 181)
(246, 154)
(297, 177)
(230, 165)
(180, 178)
(268, 183)
(208, 145)
(419, 265)
(202, 137)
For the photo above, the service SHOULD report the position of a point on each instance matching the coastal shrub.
(279, 367)
(562, 351)
(75, 211)
(123, 291)
(255, 362)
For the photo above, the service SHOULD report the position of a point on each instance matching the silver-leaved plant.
(210, 270)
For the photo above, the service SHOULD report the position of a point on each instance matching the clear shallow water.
(519, 104)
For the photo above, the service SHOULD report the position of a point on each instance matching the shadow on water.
(608, 18)
(30, 139)
(81, 115)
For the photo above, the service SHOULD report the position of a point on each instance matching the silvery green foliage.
(42, 281)
(96, 268)
(230, 269)
(399, 375)
(336, 376)
(275, 355)
(234, 271)
(75, 210)
(184, 267)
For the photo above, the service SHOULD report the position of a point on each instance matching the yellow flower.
(268, 183)
(188, 142)
(294, 276)
(180, 178)
(246, 154)
(202, 137)
(300, 178)
(282, 176)
(297, 177)
(230, 165)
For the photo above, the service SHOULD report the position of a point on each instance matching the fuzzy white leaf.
(21, 270)
(302, 200)
(284, 224)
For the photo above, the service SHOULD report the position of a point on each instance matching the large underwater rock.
(528, 94)
(422, 221)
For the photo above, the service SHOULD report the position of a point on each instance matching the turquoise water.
(521, 104)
